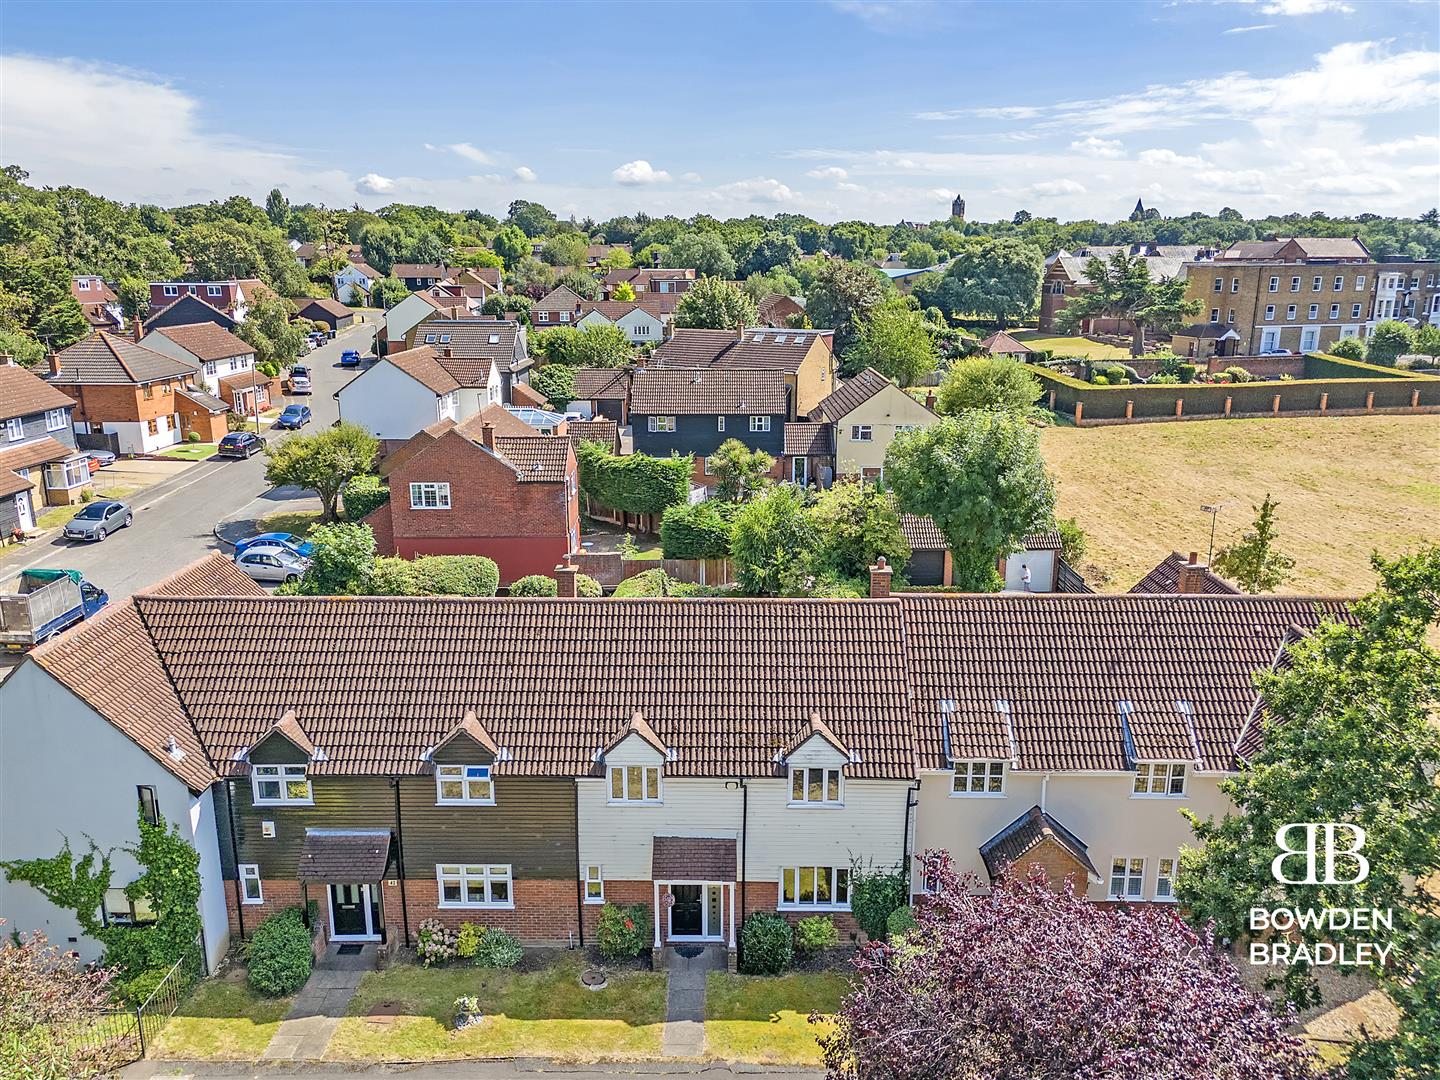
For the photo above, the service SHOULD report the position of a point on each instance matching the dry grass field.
(1346, 486)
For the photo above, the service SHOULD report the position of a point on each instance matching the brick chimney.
(740, 331)
(566, 580)
(930, 400)
(447, 352)
(1192, 575)
(487, 436)
(139, 329)
(54, 363)
(880, 579)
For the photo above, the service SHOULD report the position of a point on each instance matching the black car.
(241, 444)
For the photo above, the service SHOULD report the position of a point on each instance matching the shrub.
(815, 933)
(646, 583)
(1163, 380)
(279, 955)
(585, 585)
(767, 946)
(1239, 374)
(193, 437)
(534, 585)
(1073, 541)
(1348, 349)
(498, 949)
(874, 895)
(623, 931)
(363, 494)
(137, 991)
(454, 575)
(1182, 370)
(437, 943)
(392, 577)
(900, 923)
(701, 531)
(467, 941)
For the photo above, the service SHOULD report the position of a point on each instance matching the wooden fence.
(700, 571)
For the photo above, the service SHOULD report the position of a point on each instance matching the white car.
(265, 562)
(300, 379)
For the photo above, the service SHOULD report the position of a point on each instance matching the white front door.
(24, 511)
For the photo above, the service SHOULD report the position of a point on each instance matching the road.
(175, 520)
(519, 1069)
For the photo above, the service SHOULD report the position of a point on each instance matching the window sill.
(476, 907)
(594, 901)
(252, 903)
(812, 907)
(464, 802)
(282, 802)
(1143, 795)
(634, 802)
(815, 806)
(978, 795)
(1165, 900)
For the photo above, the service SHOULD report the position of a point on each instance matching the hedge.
(695, 532)
(634, 483)
(454, 575)
(646, 583)
(278, 956)
(534, 585)
(767, 944)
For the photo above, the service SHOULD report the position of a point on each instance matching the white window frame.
(1166, 870)
(594, 876)
(1334, 311)
(250, 875)
(720, 423)
(975, 779)
(542, 316)
(639, 775)
(838, 878)
(471, 778)
(1127, 878)
(1359, 281)
(828, 778)
(484, 875)
(284, 776)
(170, 290)
(1290, 313)
(1317, 283)
(67, 475)
(1339, 283)
(1355, 311)
(1274, 284)
(54, 419)
(759, 423)
(1234, 284)
(664, 424)
(1314, 311)
(83, 284)
(1230, 316)
(1219, 284)
(862, 433)
(1294, 284)
(439, 491)
(1269, 312)
(1156, 780)
(212, 290)
(1214, 314)
(15, 428)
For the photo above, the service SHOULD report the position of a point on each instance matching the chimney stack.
(566, 580)
(1192, 576)
(54, 363)
(740, 331)
(880, 579)
(487, 435)
(139, 329)
(448, 352)
(930, 400)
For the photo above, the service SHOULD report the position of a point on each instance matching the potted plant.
(467, 1012)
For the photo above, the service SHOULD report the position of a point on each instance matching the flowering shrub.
(437, 943)
(623, 931)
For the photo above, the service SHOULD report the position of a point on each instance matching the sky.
(867, 109)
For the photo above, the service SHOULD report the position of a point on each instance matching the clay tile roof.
(815, 727)
(525, 394)
(103, 358)
(471, 726)
(35, 453)
(921, 533)
(691, 392)
(1001, 343)
(637, 725)
(1025, 833)
(560, 298)
(808, 440)
(599, 430)
(12, 482)
(472, 352)
(213, 575)
(850, 395)
(420, 364)
(758, 347)
(692, 858)
(206, 341)
(536, 458)
(22, 392)
(289, 728)
(602, 384)
(505, 423)
(1043, 541)
(324, 303)
(344, 855)
(419, 270)
(244, 380)
(1165, 579)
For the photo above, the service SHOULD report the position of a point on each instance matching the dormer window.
(635, 783)
(280, 785)
(979, 778)
(815, 787)
(1160, 779)
(464, 785)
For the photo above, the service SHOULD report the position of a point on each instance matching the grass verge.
(56, 516)
(544, 1014)
(767, 1020)
(221, 1020)
(190, 451)
(1061, 345)
(299, 522)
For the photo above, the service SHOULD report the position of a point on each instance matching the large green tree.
(322, 462)
(995, 278)
(268, 327)
(842, 297)
(987, 382)
(855, 524)
(705, 253)
(1123, 289)
(896, 341)
(771, 542)
(1390, 339)
(715, 304)
(981, 477)
(739, 471)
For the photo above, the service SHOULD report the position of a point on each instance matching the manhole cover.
(383, 1013)
(689, 952)
(593, 979)
(349, 950)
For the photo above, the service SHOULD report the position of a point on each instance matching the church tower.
(1138, 214)
(957, 208)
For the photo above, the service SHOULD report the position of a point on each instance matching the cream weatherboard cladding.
(618, 836)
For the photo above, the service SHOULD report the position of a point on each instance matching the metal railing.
(151, 1014)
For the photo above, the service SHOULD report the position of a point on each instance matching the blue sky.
(866, 108)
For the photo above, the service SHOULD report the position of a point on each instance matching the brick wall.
(765, 896)
(544, 909)
(618, 892)
(279, 895)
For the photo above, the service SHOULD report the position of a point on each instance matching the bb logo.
(1318, 836)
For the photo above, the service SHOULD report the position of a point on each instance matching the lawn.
(1346, 486)
(767, 1020)
(543, 1014)
(299, 522)
(190, 451)
(222, 1019)
(1070, 346)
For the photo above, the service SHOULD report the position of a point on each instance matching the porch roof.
(692, 858)
(344, 855)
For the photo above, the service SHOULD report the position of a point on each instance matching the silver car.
(273, 563)
(98, 519)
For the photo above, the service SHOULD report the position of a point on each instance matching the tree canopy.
(322, 462)
(987, 382)
(897, 341)
(1122, 289)
(715, 304)
(996, 278)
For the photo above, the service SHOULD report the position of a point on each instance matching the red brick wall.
(516, 556)
(765, 895)
(98, 404)
(544, 909)
(278, 894)
(618, 892)
(759, 896)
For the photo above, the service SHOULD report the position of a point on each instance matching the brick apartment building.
(1408, 290)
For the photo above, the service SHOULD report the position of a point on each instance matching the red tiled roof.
(717, 391)
(779, 350)
(602, 384)
(22, 392)
(422, 365)
(601, 430)
(35, 453)
(692, 858)
(541, 459)
(1165, 579)
(921, 533)
(206, 341)
(808, 440)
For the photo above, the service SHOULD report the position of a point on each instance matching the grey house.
(39, 463)
(694, 411)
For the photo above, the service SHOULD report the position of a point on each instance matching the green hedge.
(454, 575)
(278, 956)
(634, 483)
(701, 531)
(534, 585)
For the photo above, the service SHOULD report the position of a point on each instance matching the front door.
(686, 914)
(350, 911)
(24, 511)
(800, 470)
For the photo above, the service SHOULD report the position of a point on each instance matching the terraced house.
(521, 762)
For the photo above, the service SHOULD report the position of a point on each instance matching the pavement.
(684, 1034)
(320, 1006)
(515, 1069)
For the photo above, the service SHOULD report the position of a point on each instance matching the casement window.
(564, 316)
(978, 778)
(147, 392)
(759, 423)
(635, 783)
(1274, 284)
(1290, 313)
(815, 787)
(642, 329)
(1127, 879)
(1317, 283)
(1214, 314)
(815, 887)
(1294, 284)
(54, 419)
(1234, 284)
(1163, 779)
(594, 885)
(1314, 311)
(1354, 311)
(1359, 281)
(719, 423)
(1334, 311)
(463, 886)
(428, 496)
(149, 804)
(1269, 312)
(171, 290)
(1219, 284)
(1165, 880)
(661, 423)
(464, 784)
(251, 891)
(542, 316)
(67, 474)
(861, 433)
(83, 284)
(212, 290)
(152, 426)
(15, 429)
(1339, 283)
(276, 785)
(117, 909)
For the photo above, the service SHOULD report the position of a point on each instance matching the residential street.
(519, 1069)
(175, 520)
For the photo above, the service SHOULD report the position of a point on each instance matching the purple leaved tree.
(1024, 982)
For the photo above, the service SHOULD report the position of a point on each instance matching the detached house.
(213, 351)
(648, 280)
(232, 297)
(641, 322)
(470, 347)
(39, 462)
(98, 301)
(421, 275)
(559, 307)
(359, 276)
(187, 311)
(865, 413)
(418, 306)
(403, 393)
(694, 411)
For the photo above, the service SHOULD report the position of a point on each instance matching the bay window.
(67, 474)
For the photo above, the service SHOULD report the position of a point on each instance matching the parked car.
(98, 459)
(350, 358)
(241, 444)
(97, 520)
(294, 417)
(300, 379)
(271, 564)
(303, 548)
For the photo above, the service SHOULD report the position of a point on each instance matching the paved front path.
(319, 1006)
(684, 1035)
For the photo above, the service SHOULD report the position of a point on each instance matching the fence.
(700, 571)
(152, 1013)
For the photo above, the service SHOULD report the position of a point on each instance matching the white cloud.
(1101, 148)
(1168, 158)
(525, 174)
(761, 189)
(471, 153)
(691, 177)
(1305, 7)
(828, 172)
(374, 184)
(1056, 187)
(1249, 29)
(635, 173)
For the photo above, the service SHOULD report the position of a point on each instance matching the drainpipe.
(905, 854)
(235, 856)
(744, 843)
(400, 861)
(1044, 787)
(579, 879)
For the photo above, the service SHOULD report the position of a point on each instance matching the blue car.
(294, 417)
(289, 541)
(350, 358)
